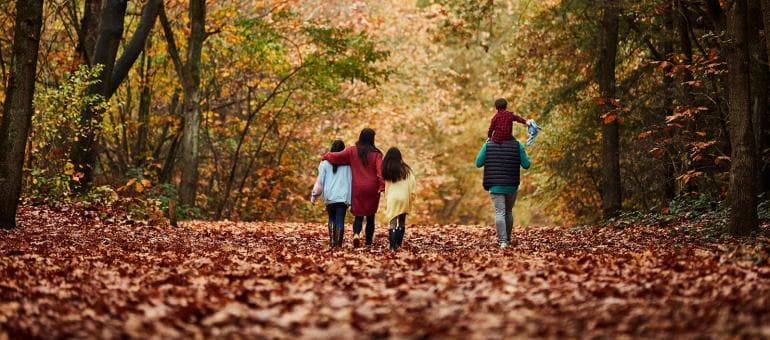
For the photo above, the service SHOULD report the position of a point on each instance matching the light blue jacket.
(336, 186)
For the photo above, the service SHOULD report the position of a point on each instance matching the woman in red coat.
(365, 162)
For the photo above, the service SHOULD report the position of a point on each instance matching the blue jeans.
(358, 223)
(336, 213)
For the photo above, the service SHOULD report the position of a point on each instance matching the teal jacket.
(503, 189)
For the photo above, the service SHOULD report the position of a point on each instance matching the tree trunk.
(145, 98)
(760, 89)
(191, 82)
(669, 171)
(611, 190)
(743, 198)
(89, 30)
(766, 20)
(105, 53)
(17, 109)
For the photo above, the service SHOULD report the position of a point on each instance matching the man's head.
(501, 104)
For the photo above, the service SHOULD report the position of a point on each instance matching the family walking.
(356, 176)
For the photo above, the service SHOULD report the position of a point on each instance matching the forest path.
(71, 274)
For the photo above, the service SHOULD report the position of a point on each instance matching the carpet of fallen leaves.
(69, 273)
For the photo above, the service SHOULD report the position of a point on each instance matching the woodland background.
(259, 88)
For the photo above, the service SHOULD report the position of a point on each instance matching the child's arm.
(519, 119)
(319, 183)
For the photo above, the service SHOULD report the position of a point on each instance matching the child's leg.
(401, 229)
(369, 229)
(339, 215)
(330, 223)
(393, 233)
(340, 225)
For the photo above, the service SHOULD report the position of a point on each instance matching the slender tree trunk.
(105, 52)
(766, 20)
(743, 198)
(760, 90)
(669, 170)
(145, 98)
(189, 161)
(17, 109)
(84, 155)
(611, 190)
(89, 30)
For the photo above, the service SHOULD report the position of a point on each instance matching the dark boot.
(335, 237)
(356, 240)
(331, 235)
(340, 235)
(400, 236)
(392, 238)
(369, 234)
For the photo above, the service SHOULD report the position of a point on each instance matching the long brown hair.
(394, 168)
(365, 145)
(337, 146)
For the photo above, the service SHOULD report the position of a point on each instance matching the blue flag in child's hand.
(532, 130)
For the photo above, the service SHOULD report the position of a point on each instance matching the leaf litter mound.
(79, 273)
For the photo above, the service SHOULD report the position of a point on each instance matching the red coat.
(367, 179)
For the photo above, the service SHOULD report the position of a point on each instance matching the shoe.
(356, 240)
(392, 238)
(503, 245)
(331, 235)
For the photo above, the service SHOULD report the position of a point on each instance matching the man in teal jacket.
(501, 162)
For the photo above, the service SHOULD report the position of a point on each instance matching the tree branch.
(136, 45)
(173, 50)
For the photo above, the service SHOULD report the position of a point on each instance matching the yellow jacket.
(398, 197)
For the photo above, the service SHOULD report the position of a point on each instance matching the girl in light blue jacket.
(334, 183)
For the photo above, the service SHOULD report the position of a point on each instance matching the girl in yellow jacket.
(399, 185)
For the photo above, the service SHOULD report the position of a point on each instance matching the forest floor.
(78, 273)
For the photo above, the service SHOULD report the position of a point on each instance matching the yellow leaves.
(137, 184)
(69, 169)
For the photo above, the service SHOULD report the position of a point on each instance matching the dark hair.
(365, 145)
(393, 167)
(337, 146)
(501, 104)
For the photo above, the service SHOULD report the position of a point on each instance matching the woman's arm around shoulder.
(339, 158)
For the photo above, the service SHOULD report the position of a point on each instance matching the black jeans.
(357, 224)
(336, 213)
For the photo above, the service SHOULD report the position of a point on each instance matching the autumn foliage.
(97, 272)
